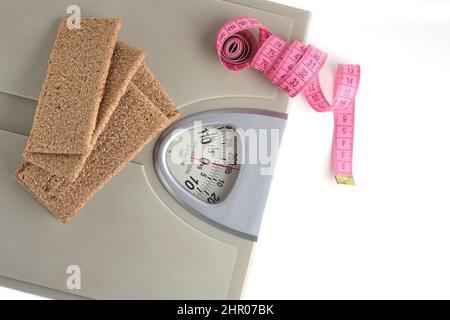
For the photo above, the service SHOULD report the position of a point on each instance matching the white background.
(388, 237)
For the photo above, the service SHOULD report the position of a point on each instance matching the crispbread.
(68, 104)
(134, 122)
(146, 81)
(125, 62)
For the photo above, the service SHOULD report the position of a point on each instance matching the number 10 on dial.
(205, 161)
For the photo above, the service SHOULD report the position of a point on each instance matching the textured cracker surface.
(68, 166)
(146, 81)
(68, 104)
(135, 121)
(125, 62)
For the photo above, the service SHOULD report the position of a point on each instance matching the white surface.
(10, 294)
(388, 237)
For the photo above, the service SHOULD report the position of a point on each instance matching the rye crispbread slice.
(70, 97)
(146, 81)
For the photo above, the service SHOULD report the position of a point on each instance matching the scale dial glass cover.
(205, 161)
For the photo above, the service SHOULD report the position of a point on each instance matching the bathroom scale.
(161, 228)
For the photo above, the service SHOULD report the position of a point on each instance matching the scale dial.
(206, 161)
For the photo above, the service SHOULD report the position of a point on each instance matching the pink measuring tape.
(294, 68)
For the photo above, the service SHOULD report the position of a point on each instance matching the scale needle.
(217, 164)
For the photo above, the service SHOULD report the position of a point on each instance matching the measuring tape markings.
(294, 67)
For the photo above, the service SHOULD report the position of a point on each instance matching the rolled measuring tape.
(244, 42)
